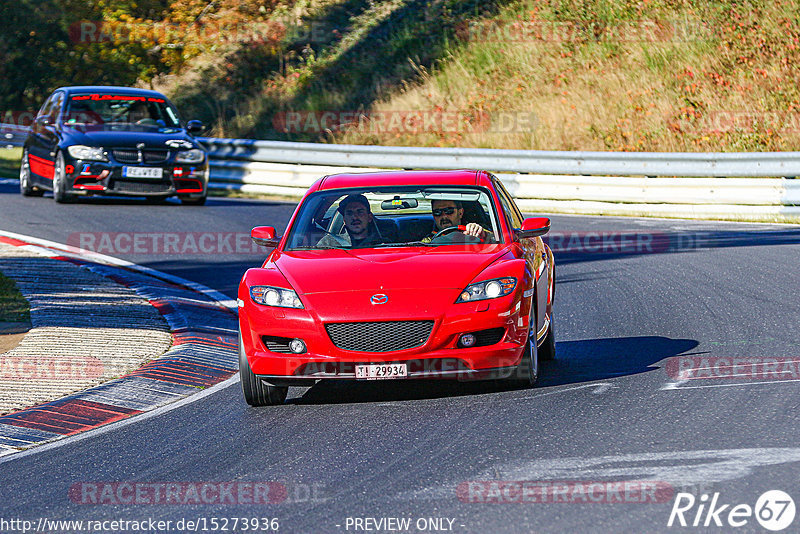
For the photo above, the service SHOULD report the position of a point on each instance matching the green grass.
(13, 306)
(623, 75)
(9, 162)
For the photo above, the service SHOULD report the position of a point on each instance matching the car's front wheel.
(527, 372)
(26, 187)
(256, 392)
(548, 349)
(60, 181)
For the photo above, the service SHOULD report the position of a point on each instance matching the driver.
(138, 113)
(359, 223)
(447, 213)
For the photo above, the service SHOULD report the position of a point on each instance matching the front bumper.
(98, 178)
(439, 357)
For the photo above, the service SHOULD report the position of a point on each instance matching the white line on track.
(74, 252)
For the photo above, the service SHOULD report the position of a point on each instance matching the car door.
(532, 251)
(44, 139)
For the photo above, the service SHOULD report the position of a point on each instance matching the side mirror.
(44, 121)
(265, 236)
(195, 127)
(534, 227)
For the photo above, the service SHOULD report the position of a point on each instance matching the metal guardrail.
(752, 164)
(721, 185)
(12, 135)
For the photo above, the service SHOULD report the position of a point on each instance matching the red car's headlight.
(489, 289)
(275, 296)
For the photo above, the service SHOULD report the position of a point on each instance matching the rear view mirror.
(265, 236)
(398, 203)
(534, 227)
(195, 127)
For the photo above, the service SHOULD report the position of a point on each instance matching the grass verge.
(9, 162)
(13, 306)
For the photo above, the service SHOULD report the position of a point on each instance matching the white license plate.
(381, 371)
(142, 172)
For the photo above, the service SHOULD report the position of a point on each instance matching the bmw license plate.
(142, 172)
(381, 371)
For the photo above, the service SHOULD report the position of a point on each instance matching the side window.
(46, 107)
(508, 204)
(55, 109)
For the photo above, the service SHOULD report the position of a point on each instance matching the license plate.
(381, 371)
(142, 172)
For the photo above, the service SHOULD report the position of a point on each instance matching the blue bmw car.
(113, 141)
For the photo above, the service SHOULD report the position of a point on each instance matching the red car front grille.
(388, 336)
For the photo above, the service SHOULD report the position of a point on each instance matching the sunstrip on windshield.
(118, 97)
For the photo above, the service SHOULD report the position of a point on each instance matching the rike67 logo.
(774, 510)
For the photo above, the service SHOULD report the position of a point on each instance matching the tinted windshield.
(110, 111)
(393, 217)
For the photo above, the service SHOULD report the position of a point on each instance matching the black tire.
(194, 201)
(256, 392)
(26, 187)
(527, 372)
(60, 181)
(548, 349)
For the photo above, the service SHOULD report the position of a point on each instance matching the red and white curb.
(203, 325)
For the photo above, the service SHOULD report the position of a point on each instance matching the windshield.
(123, 112)
(394, 217)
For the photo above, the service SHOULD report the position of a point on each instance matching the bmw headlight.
(490, 289)
(194, 155)
(92, 153)
(275, 296)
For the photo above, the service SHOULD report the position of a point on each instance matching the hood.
(151, 138)
(376, 270)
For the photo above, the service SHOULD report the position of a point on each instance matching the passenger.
(359, 223)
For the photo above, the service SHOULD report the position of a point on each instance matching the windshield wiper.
(394, 245)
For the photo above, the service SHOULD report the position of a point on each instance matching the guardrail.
(713, 185)
(717, 185)
(12, 135)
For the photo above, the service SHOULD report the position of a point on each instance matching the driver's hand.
(475, 230)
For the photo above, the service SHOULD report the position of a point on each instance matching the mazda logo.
(379, 299)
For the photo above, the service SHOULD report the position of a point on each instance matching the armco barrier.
(714, 185)
(708, 185)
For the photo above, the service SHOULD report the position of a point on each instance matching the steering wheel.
(460, 228)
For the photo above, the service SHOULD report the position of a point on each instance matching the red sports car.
(396, 275)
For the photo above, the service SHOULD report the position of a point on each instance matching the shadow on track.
(577, 362)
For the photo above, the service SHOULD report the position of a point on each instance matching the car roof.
(393, 178)
(124, 91)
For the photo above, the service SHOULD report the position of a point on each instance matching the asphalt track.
(610, 408)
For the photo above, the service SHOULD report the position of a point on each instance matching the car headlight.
(194, 155)
(94, 153)
(490, 289)
(275, 296)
